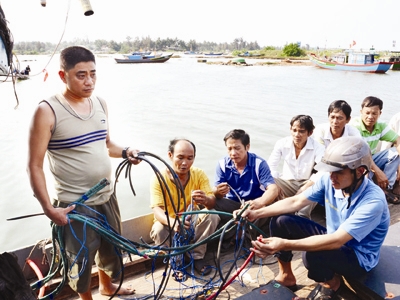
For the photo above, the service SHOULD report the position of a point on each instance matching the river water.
(149, 104)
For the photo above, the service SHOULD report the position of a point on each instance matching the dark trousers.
(321, 265)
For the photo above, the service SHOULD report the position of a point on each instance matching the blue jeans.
(388, 161)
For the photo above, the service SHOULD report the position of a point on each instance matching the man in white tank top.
(72, 128)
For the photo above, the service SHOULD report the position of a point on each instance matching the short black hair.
(172, 143)
(73, 55)
(372, 101)
(238, 134)
(305, 122)
(340, 105)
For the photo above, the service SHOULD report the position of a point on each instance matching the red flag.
(354, 43)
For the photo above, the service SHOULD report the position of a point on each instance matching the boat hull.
(379, 67)
(213, 54)
(143, 60)
(396, 66)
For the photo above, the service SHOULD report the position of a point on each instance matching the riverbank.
(244, 62)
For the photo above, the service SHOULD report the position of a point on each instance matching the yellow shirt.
(198, 181)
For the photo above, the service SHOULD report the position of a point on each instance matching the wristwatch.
(125, 153)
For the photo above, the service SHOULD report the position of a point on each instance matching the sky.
(318, 23)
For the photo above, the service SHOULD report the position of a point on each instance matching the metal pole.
(87, 8)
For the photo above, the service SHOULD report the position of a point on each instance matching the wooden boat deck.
(254, 277)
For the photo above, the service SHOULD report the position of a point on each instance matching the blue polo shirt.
(366, 220)
(249, 185)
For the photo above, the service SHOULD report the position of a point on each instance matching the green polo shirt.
(381, 132)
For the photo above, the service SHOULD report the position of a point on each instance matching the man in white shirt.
(394, 124)
(339, 115)
(299, 153)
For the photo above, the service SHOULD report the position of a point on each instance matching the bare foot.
(111, 288)
(286, 280)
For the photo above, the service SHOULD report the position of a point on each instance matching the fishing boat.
(146, 272)
(213, 53)
(141, 53)
(136, 55)
(351, 61)
(6, 46)
(137, 59)
(395, 59)
(249, 54)
(192, 53)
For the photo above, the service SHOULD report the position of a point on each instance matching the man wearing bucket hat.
(357, 220)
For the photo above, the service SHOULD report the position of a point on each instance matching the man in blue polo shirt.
(385, 167)
(242, 177)
(357, 221)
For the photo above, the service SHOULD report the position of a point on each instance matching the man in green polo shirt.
(385, 168)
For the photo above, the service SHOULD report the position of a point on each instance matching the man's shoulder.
(352, 130)
(322, 127)
(255, 161)
(284, 142)
(197, 171)
(395, 118)
(380, 126)
(254, 156)
(98, 98)
(224, 161)
(315, 145)
(356, 121)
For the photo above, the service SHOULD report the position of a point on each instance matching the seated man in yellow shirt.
(197, 193)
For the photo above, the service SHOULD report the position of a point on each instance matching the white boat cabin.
(357, 58)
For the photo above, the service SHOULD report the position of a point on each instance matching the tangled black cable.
(120, 243)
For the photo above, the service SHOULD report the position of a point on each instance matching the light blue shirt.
(366, 220)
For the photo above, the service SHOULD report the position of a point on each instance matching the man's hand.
(267, 246)
(381, 179)
(221, 190)
(132, 156)
(186, 224)
(199, 197)
(247, 214)
(398, 173)
(59, 215)
(255, 204)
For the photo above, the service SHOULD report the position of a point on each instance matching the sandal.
(391, 198)
(321, 293)
(293, 288)
(202, 267)
(396, 188)
(179, 276)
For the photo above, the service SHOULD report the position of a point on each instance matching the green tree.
(293, 49)
(100, 44)
(114, 45)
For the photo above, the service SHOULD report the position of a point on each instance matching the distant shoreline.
(270, 62)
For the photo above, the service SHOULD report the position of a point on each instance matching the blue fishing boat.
(249, 54)
(352, 61)
(141, 53)
(192, 53)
